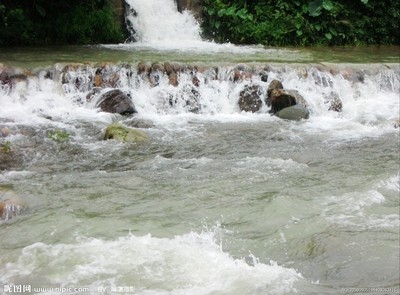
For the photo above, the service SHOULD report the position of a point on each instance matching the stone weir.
(184, 88)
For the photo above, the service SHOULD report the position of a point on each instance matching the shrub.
(302, 22)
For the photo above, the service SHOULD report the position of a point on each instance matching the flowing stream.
(216, 201)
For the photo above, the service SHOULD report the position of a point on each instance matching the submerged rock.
(122, 133)
(11, 204)
(116, 101)
(4, 131)
(295, 112)
(335, 103)
(7, 156)
(187, 99)
(250, 98)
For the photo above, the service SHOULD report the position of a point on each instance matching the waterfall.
(158, 22)
(158, 25)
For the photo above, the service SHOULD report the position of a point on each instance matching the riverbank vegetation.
(303, 22)
(267, 22)
(49, 22)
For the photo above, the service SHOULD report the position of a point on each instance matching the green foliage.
(302, 22)
(43, 22)
(59, 135)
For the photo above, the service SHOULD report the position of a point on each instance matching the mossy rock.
(122, 133)
(296, 113)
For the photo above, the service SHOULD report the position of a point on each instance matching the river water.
(217, 202)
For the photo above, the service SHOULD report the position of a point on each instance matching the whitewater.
(217, 201)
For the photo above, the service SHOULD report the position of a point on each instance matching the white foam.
(356, 210)
(355, 202)
(186, 264)
(392, 183)
(42, 102)
(269, 165)
(368, 110)
(15, 175)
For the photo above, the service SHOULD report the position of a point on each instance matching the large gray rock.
(116, 101)
(295, 112)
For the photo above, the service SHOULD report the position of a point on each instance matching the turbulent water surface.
(214, 202)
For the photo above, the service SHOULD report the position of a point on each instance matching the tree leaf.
(315, 7)
(221, 12)
(231, 11)
(327, 5)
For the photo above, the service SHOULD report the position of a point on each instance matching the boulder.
(173, 79)
(279, 98)
(122, 133)
(116, 101)
(142, 68)
(300, 100)
(241, 73)
(275, 84)
(108, 75)
(264, 77)
(4, 131)
(250, 98)
(295, 112)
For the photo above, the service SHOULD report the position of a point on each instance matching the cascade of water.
(169, 89)
(158, 22)
(158, 25)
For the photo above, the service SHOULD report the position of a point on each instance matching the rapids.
(217, 201)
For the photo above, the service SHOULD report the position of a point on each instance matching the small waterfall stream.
(159, 22)
(217, 200)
